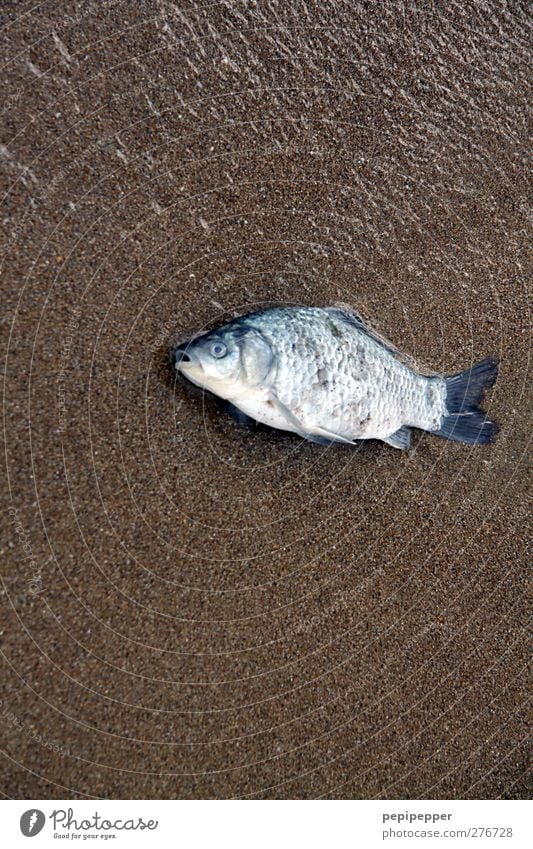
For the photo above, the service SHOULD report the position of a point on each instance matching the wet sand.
(192, 609)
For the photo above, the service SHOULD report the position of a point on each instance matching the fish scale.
(362, 378)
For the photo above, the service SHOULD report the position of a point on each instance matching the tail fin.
(464, 421)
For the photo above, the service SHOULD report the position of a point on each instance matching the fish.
(324, 374)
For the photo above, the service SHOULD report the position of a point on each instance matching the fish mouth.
(184, 360)
(182, 355)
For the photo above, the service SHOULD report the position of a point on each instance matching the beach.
(193, 609)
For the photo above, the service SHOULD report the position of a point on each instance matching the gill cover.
(256, 356)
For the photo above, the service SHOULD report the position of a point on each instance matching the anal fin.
(400, 439)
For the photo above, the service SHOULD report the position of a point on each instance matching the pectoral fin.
(323, 435)
(314, 434)
(293, 422)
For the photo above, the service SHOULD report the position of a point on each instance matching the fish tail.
(464, 421)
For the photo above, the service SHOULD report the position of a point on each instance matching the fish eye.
(218, 349)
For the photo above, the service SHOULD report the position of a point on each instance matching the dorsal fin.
(343, 313)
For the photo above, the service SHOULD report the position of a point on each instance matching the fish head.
(228, 362)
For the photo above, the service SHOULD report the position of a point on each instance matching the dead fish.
(324, 374)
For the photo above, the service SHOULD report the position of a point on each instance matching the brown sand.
(196, 610)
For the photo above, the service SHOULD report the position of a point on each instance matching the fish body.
(323, 374)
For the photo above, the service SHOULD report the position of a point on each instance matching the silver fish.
(323, 374)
